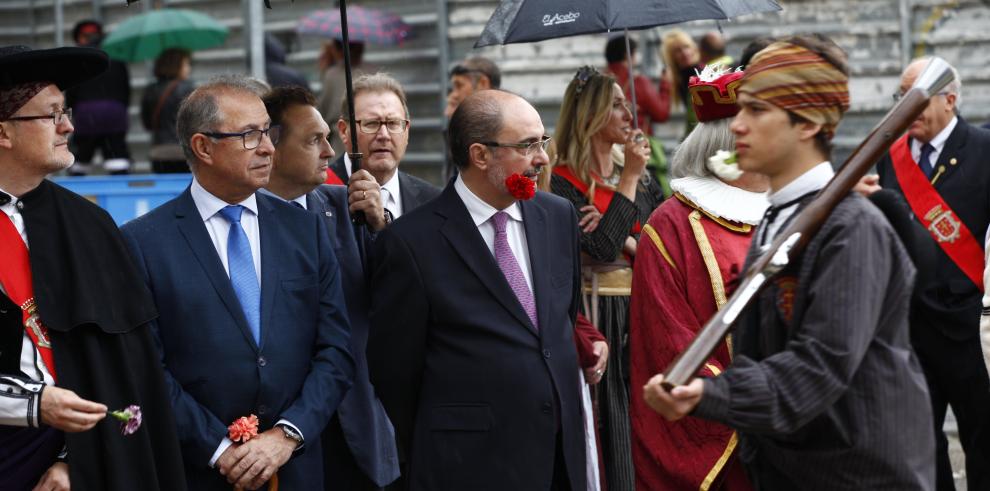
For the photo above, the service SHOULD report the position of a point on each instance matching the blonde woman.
(594, 117)
(682, 57)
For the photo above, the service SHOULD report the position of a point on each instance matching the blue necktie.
(925, 161)
(240, 262)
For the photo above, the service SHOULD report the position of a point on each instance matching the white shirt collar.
(480, 211)
(299, 199)
(208, 205)
(812, 180)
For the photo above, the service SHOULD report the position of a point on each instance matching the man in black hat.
(74, 340)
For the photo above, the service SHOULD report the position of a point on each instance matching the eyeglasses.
(56, 116)
(527, 148)
(250, 138)
(898, 95)
(371, 126)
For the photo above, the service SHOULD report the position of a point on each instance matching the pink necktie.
(510, 267)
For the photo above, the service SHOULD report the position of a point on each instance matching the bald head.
(942, 107)
(479, 119)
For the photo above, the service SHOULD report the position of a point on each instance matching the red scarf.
(603, 195)
(15, 275)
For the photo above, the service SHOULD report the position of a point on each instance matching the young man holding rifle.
(824, 388)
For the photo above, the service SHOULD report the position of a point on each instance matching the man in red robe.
(691, 252)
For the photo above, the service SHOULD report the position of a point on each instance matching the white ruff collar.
(722, 200)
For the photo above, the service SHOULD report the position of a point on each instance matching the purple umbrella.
(363, 26)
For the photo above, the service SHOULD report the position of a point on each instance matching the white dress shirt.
(482, 213)
(938, 143)
(812, 180)
(218, 227)
(390, 192)
(14, 411)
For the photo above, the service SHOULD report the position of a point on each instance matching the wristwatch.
(291, 434)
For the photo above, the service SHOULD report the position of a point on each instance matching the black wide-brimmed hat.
(64, 67)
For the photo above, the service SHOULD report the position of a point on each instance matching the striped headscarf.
(798, 80)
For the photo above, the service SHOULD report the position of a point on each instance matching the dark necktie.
(297, 205)
(510, 267)
(925, 161)
(243, 276)
(4, 198)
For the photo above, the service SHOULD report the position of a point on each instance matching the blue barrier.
(127, 197)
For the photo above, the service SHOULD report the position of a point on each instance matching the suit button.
(546, 353)
(547, 407)
(262, 409)
(262, 361)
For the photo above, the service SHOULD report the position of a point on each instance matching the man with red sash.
(74, 339)
(942, 167)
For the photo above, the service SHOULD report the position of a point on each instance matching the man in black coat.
(383, 134)
(945, 323)
(74, 314)
(472, 339)
(359, 442)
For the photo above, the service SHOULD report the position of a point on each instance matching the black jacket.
(949, 299)
(415, 192)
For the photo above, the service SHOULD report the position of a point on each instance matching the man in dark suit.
(359, 441)
(382, 119)
(945, 323)
(472, 339)
(252, 318)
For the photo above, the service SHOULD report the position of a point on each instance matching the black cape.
(97, 310)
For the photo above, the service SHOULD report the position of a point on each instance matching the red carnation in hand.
(521, 187)
(243, 429)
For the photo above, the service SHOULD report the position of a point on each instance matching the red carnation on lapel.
(520, 187)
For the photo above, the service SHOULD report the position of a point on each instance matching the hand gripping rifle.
(796, 236)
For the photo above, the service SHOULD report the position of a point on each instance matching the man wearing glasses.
(382, 119)
(942, 168)
(471, 347)
(253, 320)
(74, 313)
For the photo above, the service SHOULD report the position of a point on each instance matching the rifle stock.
(791, 242)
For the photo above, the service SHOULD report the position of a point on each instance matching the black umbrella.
(526, 21)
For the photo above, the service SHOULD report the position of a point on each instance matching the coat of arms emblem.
(943, 225)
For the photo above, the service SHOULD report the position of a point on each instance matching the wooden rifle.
(791, 242)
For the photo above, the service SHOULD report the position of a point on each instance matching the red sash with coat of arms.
(15, 275)
(934, 213)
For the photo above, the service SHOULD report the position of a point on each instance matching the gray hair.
(200, 111)
(691, 157)
(954, 87)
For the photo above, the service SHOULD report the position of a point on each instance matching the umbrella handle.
(357, 218)
(632, 80)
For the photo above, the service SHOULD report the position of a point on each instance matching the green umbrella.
(145, 36)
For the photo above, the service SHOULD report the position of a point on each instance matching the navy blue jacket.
(213, 368)
(366, 428)
(478, 396)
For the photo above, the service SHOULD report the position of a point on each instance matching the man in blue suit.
(252, 318)
(472, 322)
(359, 442)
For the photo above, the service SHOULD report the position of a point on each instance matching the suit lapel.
(407, 193)
(463, 235)
(270, 252)
(316, 203)
(951, 157)
(194, 230)
(538, 242)
(338, 167)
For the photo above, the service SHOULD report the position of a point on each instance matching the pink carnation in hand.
(243, 429)
(129, 417)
